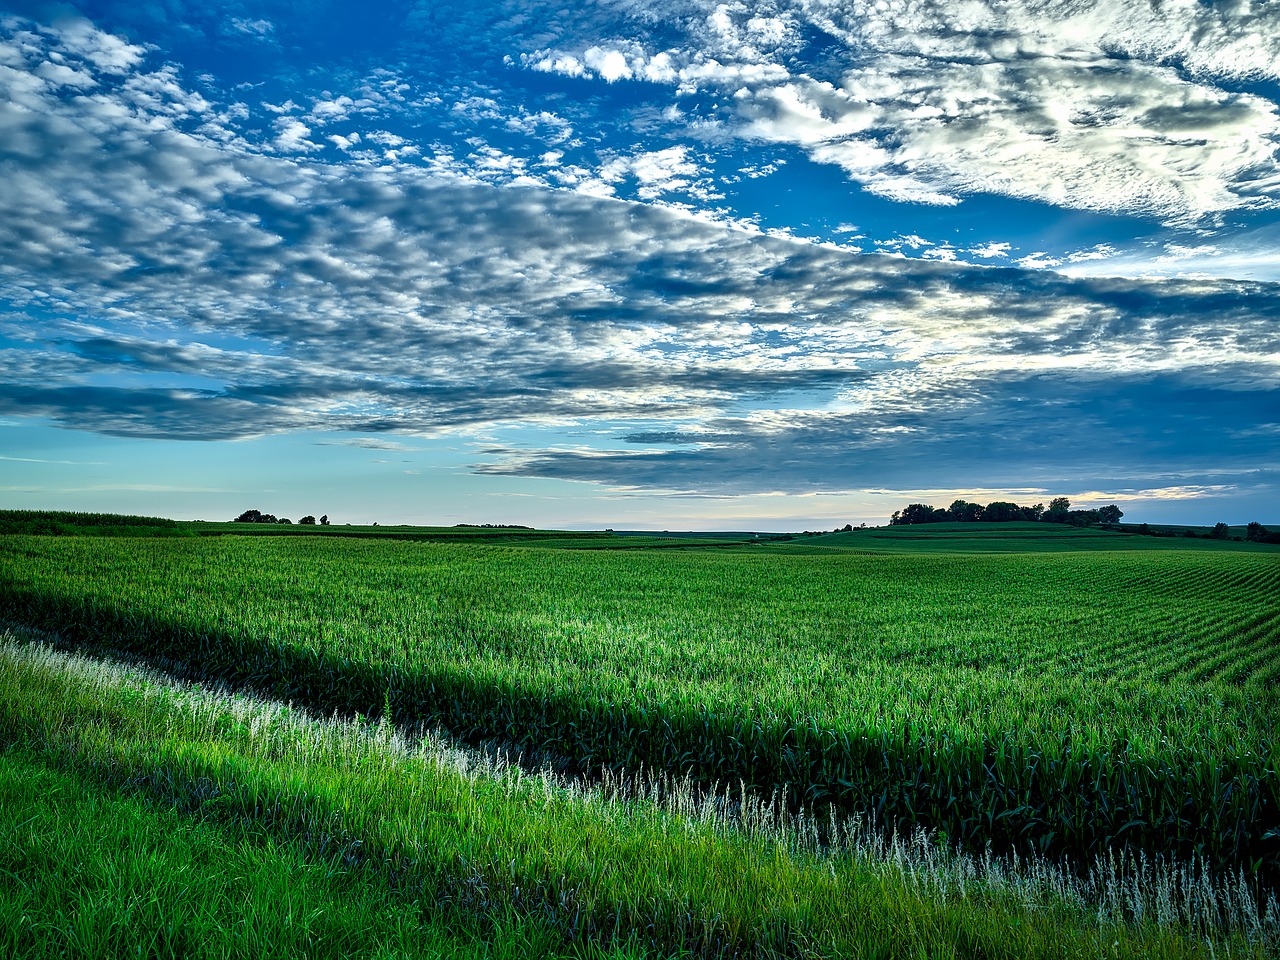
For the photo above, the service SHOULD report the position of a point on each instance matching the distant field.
(1062, 701)
(1009, 538)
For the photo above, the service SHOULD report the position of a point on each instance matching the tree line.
(1001, 511)
(257, 516)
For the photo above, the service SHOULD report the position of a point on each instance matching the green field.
(1056, 693)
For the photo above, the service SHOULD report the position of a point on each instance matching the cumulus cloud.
(1125, 108)
(291, 136)
(657, 172)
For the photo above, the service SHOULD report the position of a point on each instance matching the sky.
(776, 265)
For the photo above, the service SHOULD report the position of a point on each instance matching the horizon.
(722, 266)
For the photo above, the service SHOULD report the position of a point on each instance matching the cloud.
(1077, 433)
(164, 277)
(657, 172)
(369, 443)
(1091, 105)
(258, 28)
(291, 136)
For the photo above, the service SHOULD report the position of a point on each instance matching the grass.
(184, 822)
(88, 872)
(1011, 538)
(1056, 703)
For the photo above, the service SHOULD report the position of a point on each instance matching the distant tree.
(1082, 518)
(1255, 532)
(324, 521)
(1110, 514)
(848, 527)
(1033, 512)
(285, 520)
(1220, 531)
(1058, 509)
(962, 511)
(308, 520)
(1001, 511)
(913, 513)
(256, 516)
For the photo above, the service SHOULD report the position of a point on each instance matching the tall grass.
(89, 873)
(376, 821)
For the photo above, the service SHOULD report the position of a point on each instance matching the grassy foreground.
(88, 872)
(182, 823)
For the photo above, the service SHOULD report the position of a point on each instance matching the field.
(1056, 698)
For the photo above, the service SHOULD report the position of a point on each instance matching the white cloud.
(60, 75)
(656, 172)
(1174, 252)
(253, 28)
(106, 52)
(1091, 105)
(291, 136)
(610, 65)
(1100, 251)
(326, 111)
(991, 251)
(1038, 260)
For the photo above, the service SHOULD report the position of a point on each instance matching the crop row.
(971, 695)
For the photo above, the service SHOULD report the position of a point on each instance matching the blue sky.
(769, 265)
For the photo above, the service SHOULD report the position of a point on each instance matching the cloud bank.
(1119, 108)
(166, 275)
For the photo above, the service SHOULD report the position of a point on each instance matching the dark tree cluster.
(1254, 532)
(257, 516)
(1257, 533)
(1001, 511)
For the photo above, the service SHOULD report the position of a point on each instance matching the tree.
(1001, 511)
(285, 520)
(1059, 507)
(915, 513)
(1110, 514)
(1255, 532)
(1220, 531)
(324, 521)
(255, 516)
(309, 520)
(963, 511)
(1082, 518)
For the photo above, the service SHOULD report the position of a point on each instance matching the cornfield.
(1064, 706)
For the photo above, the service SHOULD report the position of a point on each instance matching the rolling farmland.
(1068, 699)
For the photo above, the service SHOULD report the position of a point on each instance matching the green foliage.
(1065, 703)
(137, 818)
(70, 523)
(1001, 511)
(87, 872)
